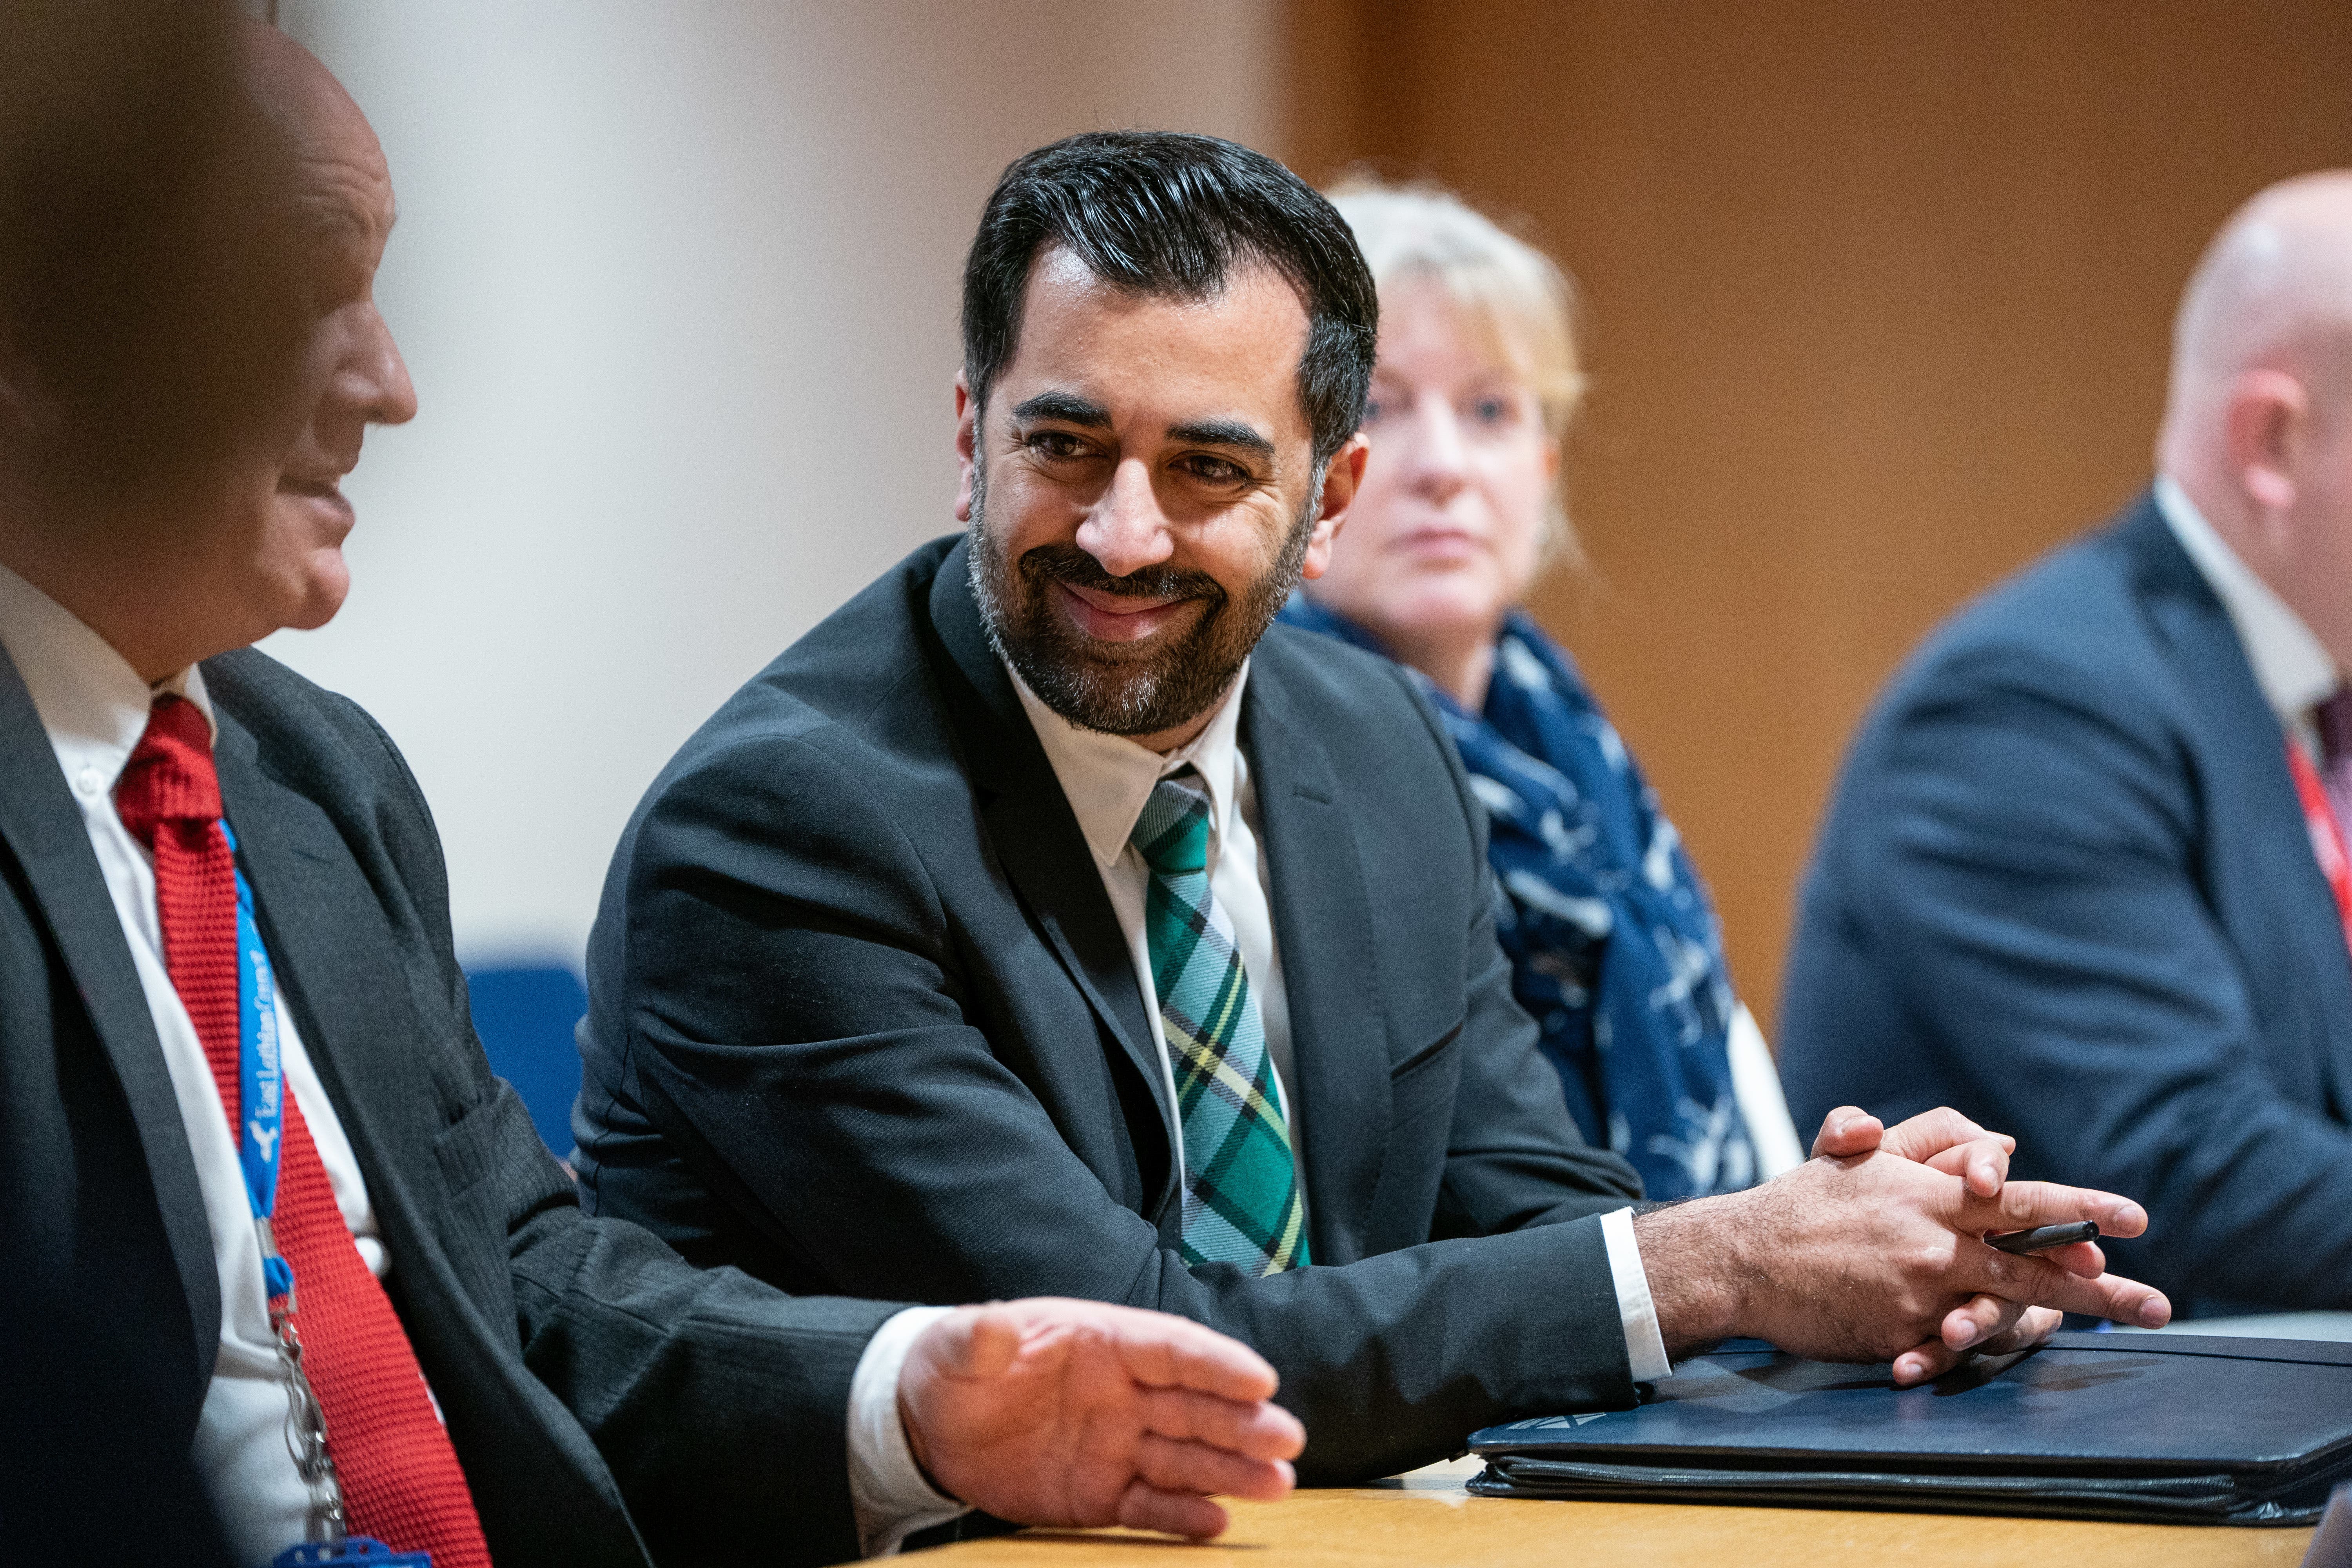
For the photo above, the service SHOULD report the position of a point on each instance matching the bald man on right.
(2084, 876)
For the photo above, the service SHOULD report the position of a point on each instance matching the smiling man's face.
(1143, 493)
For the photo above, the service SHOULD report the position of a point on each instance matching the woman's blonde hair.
(1516, 304)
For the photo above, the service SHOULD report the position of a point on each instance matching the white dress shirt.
(1108, 779)
(1756, 1087)
(2292, 668)
(95, 708)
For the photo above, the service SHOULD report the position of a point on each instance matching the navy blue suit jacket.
(2066, 886)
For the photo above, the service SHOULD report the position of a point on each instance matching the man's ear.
(1342, 477)
(967, 443)
(2268, 420)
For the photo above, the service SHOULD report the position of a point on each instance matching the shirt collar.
(90, 700)
(2290, 665)
(1108, 778)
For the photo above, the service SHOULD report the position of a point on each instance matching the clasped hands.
(1874, 1250)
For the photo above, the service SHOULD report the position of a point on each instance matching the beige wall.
(1878, 296)
(1877, 299)
(678, 282)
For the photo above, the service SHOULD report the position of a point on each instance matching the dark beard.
(1108, 687)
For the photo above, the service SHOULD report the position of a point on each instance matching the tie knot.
(170, 776)
(1172, 834)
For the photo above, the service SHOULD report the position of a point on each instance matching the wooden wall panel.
(1878, 295)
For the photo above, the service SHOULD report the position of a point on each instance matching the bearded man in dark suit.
(1045, 921)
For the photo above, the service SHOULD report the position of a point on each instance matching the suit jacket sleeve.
(2029, 868)
(796, 1021)
(718, 1403)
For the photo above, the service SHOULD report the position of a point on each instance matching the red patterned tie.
(400, 1477)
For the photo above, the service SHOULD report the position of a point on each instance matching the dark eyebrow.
(1062, 408)
(1222, 432)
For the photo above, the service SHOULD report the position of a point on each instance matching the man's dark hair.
(1164, 212)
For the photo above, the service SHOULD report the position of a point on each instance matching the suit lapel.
(1034, 833)
(1323, 924)
(360, 970)
(42, 827)
(2245, 756)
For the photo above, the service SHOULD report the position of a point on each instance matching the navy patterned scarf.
(1614, 947)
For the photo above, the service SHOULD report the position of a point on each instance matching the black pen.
(2043, 1238)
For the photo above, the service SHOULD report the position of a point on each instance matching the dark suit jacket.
(606, 1399)
(2067, 888)
(861, 1018)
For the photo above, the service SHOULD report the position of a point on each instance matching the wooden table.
(1427, 1520)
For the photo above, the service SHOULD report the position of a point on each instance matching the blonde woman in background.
(1613, 940)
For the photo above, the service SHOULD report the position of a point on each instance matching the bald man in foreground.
(2085, 873)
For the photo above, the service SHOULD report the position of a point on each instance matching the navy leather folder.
(2155, 1427)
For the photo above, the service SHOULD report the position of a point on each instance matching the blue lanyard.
(261, 1083)
(261, 1108)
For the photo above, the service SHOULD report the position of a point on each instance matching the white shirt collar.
(1108, 778)
(2290, 665)
(92, 703)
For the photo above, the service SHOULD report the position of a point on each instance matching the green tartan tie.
(1241, 1188)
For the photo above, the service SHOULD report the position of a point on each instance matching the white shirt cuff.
(1645, 1348)
(887, 1487)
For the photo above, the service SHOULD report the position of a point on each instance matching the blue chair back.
(525, 1016)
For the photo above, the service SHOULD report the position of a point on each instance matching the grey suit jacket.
(609, 1403)
(861, 1018)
